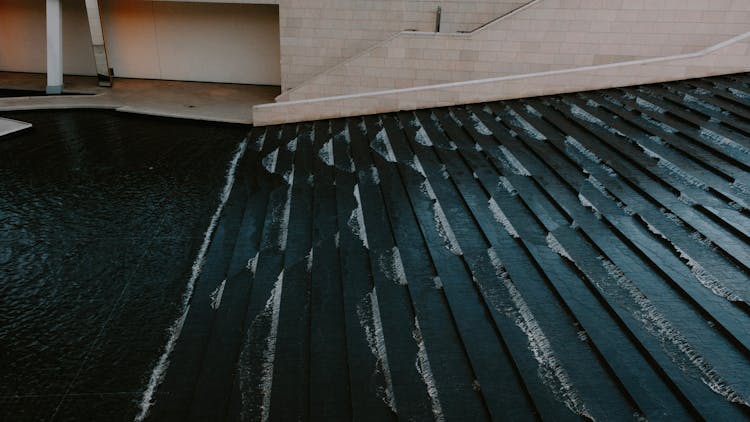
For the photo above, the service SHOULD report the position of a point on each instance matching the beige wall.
(724, 58)
(236, 43)
(319, 34)
(23, 42)
(548, 35)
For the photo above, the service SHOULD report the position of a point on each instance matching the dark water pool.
(101, 217)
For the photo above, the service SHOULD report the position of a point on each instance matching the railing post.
(438, 16)
(98, 43)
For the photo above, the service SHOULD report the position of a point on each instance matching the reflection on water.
(101, 215)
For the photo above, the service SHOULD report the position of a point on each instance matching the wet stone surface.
(101, 215)
(581, 256)
(571, 257)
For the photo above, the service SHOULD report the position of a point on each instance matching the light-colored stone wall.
(319, 34)
(23, 42)
(153, 39)
(547, 35)
(189, 41)
(729, 57)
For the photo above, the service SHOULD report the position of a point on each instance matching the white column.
(54, 47)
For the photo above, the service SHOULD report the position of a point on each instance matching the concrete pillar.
(54, 47)
(93, 11)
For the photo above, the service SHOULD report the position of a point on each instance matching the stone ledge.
(730, 56)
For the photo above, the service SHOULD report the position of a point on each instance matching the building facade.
(342, 57)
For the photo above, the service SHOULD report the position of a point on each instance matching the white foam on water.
(610, 171)
(362, 126)
(427, 191)
(525, 126)
(706, 242)
(515, 166)
(737, 206)
(656, 324)
(452, 145)
(693, 100)
(422, 363)
(326, 153)
(739, 94)
(558, 248)
(583, 336)
(505, 183)
(422, 138)
(586, 203)
(663, 126)
(704, 277)
(291, 146)
(337, 239)
(550, 369)
(455, 119)
(368, 312)
(374, 174)
(258, 145)
(283, 217)
(478, 148)
(343, 135)
(252, 264)
(436, 121)
(721, 140)
(479, 126)
(655, 139)
(350, 169)
(626, 209)
(741, 187)
(287, 176)
(649, 106)
(160, 369)
(501, 218)
(417, 166)
(569, 140)
(600, 187)
(444, 171)
(474, 175)
(273, 307)
(269, 161)
(531, 110)
(382, 145)
(392, 266)
(584, 115)
(674, 169)
(438, 282)
(686, 199)
(444, 229)
(309, 259)
(217, 294)
(592, 103)
(357, 220)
